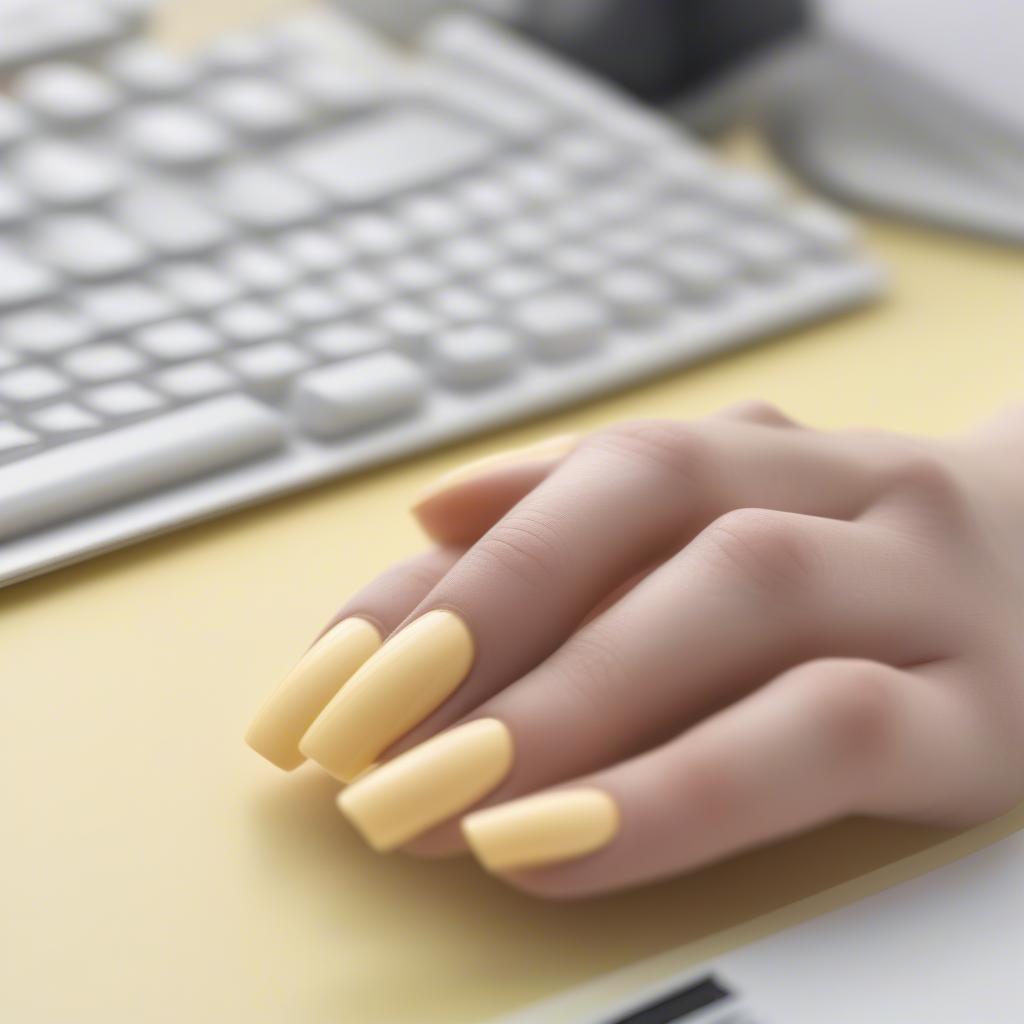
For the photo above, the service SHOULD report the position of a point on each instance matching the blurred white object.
(914, 107)
(301, 252)
(943, 948)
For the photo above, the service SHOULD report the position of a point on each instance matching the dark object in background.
(661, 50)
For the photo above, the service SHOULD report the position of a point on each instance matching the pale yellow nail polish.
(549, 449)
(281, 722)
(410, 676)
(542, 829)
(429, 783)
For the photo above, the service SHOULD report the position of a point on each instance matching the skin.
(738, 627)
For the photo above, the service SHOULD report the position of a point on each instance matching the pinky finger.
(829, 738)
(464, 504)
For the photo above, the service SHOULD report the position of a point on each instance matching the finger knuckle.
(672, 447)
(930, 481)
(854, 705)
(416, 572)
(764, 548)
(758, 410)
(528, 545)
(599, 673)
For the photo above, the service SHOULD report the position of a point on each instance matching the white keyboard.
(296, 255)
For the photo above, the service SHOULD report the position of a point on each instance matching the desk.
(155, 870)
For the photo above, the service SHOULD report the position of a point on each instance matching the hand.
(638, 651)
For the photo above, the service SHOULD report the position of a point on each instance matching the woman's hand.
(641, 650)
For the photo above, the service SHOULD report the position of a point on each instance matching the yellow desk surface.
(155, 870)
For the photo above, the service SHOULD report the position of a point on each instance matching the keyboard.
(299, 253)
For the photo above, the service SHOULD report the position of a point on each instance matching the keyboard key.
(177, 339)
(258, 267)
(86, 475)
(763, 251)
(539, 181)
(525, 237)
(635, 294)
(470, 254)
(102, 362)
(702, 271)
(170, 221)
(511, 111)
(262, 197)
(28, 384)
(613, 203)
(474, 356)
(198, 379)
(684, 168)
(174, 136)
(823, 228)
(577, 260)
(65, 174)
(470, 40)
(516, 281)
(149, 72)
(461, 305)
(54, 29)
(431, 217)
(250, 321)
(574, 219)
(198, 286)
(585, 153)
(359, 289)
(45, 330)
(408, 325)
(487, 200)
(356, 394)
(267, 369)
(414, 274)
(686, 220)
(15, 206)
(561, 325)
(15, 122)
(124, 400)
(628, 242)
(8, 358)
(311, 304)
(374, 234)
(343, 341)
(22, 280)
(15, 441)
(332, 88)
(393, 152)
(68, 94)
(315, 250)
(124, 306)
(88, 247)
(254, 106)
(744, 190)
(63, 420)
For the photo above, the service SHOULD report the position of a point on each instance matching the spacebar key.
(79, 477)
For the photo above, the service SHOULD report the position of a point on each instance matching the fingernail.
(429, 783)
(411, 675)
(549, 449)
(281, 722)
(542, 829)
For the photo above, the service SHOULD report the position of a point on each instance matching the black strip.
(680, 1004)
(662, 49)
